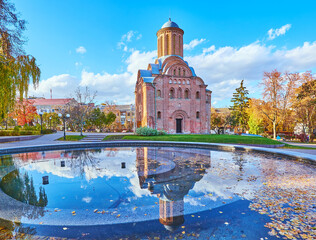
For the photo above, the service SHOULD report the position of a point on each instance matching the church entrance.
(178, 125)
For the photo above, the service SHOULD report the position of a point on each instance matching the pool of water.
(155, 193)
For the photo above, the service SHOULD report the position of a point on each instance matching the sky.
(102, 44)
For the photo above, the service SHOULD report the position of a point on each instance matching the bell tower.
(170, 40)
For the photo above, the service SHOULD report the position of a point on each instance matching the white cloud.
(81, 50)
(209, 49)
(273, 33)
(222, 69)
(118, 87)
(60, 85)
(126, 38)
(193, 44)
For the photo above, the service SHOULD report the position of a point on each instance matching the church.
(169, 95)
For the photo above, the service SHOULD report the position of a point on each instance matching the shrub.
(16, 129)
(47, 131)
(162, 132)
(146, 131)
(28, 132)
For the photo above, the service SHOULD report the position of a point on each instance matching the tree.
(51, 120)
(278, 90)
(79, 109)
(304, 103)
(11, 29)
(97, 118)
(220, 120)
(24, 112)
(240, 102)
(16, 69)
(110, 119)
(256, 118)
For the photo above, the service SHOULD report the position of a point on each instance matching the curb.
(212, 146)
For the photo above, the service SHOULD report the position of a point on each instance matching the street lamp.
(64, 116)
(41, 115)
(50, 122)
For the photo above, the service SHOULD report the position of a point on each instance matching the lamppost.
(50, 122)
(41, 115)
(64, 116)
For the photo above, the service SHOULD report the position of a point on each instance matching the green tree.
(240, 102)
(16, 68)
(110, 118)
(97, 118)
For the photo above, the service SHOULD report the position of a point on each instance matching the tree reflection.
(80, 159)
(239, 160)
(22, 188)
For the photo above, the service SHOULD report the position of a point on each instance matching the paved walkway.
(302, 144)
(52, 139)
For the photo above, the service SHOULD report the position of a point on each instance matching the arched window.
(159, 115)
(197, 95)
(159, 93)
(183, 73)
(188, 82)
(186, 94)
(170, 81)
(171, 93)
(197, 115)
(174, 72)
(179, 93)
(179, 71)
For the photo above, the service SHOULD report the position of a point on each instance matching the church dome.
(170, 24)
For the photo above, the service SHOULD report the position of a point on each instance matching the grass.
(71, 138)
(113, 137)
(234, 139)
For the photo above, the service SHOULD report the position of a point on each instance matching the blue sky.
(102, 44)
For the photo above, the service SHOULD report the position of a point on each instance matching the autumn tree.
(51, 120)
(111, 111)
(24, 112)
(220, 120)
(278, 90)
(240, 102)
(16, 68)
(256, 118)
(304, 103)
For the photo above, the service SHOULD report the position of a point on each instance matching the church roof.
(170, 24)
(145, 73)
(148, 79)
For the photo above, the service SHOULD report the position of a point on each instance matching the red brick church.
(168, 94)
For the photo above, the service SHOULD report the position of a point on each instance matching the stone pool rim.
(201, 145)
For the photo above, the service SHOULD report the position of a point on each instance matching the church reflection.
(170, 174)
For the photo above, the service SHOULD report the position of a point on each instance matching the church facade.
(169, 95)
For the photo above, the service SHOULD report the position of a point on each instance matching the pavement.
(51, 139)
(311, 145)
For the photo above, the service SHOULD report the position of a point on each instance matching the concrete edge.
(18, 138)
(212, 146)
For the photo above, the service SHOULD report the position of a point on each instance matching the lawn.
(234, 139)
(71, 138)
